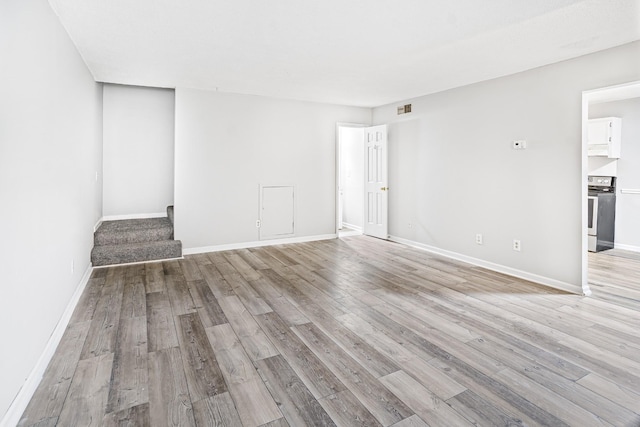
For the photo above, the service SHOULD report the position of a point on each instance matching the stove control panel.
(602, 184)
(600, 181)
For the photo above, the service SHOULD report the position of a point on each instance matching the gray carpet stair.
(135, 240)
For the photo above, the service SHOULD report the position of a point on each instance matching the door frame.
(606, 94)
(337, 167)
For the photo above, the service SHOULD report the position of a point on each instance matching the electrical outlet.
(258, 223)
(516, 245)
(479, 239)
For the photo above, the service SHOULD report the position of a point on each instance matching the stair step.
(135, 252)
(133, 231)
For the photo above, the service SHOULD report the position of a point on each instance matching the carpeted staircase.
(135, 240)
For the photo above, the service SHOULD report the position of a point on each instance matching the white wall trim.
(626, 247)
(133, 216)
(245, 245)
(138, 262)
(19, 404)
(354, 227)
(568, 287)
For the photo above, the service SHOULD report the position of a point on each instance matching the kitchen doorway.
(350, 179)
(621, 101)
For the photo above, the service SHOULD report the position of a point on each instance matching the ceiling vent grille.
(404, 109)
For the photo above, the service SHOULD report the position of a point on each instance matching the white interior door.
(376, 189)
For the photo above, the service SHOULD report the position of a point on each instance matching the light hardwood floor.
(348, 332)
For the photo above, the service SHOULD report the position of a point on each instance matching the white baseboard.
(133, 216)
(354, 227)
(255, 244)
(138, 262)
(19, 404)
(349, 233)
(557, 284)
(626, 247)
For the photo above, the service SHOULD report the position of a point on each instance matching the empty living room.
(320, 213)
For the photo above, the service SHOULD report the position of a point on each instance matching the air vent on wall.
(404, 109)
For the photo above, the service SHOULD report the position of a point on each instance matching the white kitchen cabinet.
(604, 137)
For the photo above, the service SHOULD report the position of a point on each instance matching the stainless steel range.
(602, 213)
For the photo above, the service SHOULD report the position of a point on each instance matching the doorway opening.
(350, 179)
(615, 101)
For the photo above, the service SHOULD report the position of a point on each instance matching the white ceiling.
(352, 52)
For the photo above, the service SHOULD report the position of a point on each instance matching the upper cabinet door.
(604, 137)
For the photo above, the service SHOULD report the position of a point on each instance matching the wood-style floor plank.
(424, 403)
(217, 283)
(104, 324)
(204, 377)
(218, 411)
(346, 332)
(133, 416)
(86, 402)
(129, 376)
(553, 403)
(179, 295)
(253, 338)
(161, 328)
(154, 277)
(49, 397)
(346, 409)
(294, 399)
(315, 375)
(384, 405)
(169, 397)
(232, 358)
(367, 356)
(437, 382)
(88, 301)
(133, 298)
(206, 304)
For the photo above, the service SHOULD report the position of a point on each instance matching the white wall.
(627, 205)
(138, 150)
(227, 145)
(50, 150)
(352, 174)
(453, 173)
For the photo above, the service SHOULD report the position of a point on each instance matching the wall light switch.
(520, 144)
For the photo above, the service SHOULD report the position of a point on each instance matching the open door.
(376, 188)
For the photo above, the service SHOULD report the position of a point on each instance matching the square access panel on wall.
(277, 211)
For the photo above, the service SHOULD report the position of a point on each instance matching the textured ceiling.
(353, 52)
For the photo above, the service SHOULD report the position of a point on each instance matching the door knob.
(384, 188)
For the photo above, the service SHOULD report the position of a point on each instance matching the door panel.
(277, 214)
(376, 186)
